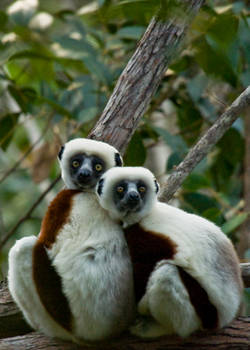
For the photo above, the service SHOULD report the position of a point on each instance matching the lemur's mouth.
(130, 208)
(85, 185)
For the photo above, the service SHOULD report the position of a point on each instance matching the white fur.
(92, 258)
(90, 147)
(203, 251)
(111, 178)
(90, 255)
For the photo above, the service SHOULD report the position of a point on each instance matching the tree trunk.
(244, 243)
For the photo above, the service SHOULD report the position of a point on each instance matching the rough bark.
(245, 271)
(244, 242)
(235, 336)
(11, 319)
(142, 75)
(204, 145)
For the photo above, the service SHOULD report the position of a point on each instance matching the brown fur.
(48, 282)
(146, 249)
(56, 216)
(206, 311)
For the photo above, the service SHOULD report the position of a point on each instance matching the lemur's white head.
(83, 161)
(128, 193)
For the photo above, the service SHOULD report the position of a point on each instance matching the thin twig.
(203, 146)
(28, 213)
(25, 155)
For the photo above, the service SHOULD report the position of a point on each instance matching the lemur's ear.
(118, 159)
(100, 186)
(61, 152)
(157, 187)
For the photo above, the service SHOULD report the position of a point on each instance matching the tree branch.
(244, 242)
(12, 322)
(236, 336)
(203, 146)
(142, 75)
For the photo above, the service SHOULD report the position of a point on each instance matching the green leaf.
(232, 146)
(173, 160)
(200, 202)
(56, 106)
(214, 62)
(3, 20)
(87, 114)
(136, 152)
(195, 182)
(196, 86)
(7, 124)
(214, 215)
(217, 31)
(175, 142)
(233, 223)
(189, 120)
(20, 96)
(131, 32)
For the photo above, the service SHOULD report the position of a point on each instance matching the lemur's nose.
(133, 196)
(85, 174)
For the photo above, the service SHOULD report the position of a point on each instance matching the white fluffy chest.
(91, 256)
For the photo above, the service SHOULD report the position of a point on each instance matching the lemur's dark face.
(86, 170)
(130, 196)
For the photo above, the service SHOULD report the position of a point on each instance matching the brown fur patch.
(146, 249)
(206, 311)
(56, 216)
(48, 282)
(49, 287)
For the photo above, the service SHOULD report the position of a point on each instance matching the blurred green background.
(59, 61)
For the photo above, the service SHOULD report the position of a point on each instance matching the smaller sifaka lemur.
(186, 271)
(74, 281)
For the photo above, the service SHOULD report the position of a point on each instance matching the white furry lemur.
(186, 272)
(74, 281)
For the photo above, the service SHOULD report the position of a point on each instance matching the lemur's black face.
(130, 196)
(86, 170)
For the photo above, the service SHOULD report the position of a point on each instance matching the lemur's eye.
(75, 163)
(120, 189)
(142, 189)
(98, 167)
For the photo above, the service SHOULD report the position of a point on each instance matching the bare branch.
(203, 146)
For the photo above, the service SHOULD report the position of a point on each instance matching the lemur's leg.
(169, 304)
(24, 292)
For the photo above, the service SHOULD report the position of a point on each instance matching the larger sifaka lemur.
(74, 281)
(186, 272)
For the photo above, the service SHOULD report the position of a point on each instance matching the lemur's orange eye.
(75, 163)
(142, 189)
(98, 167)
(120, 189)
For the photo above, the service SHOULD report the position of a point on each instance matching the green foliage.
(59, 63)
